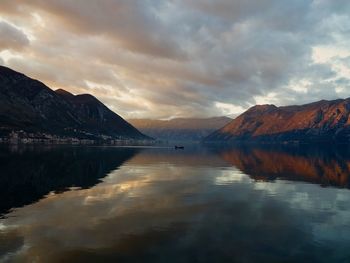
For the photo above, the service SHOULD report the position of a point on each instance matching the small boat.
(179, 147)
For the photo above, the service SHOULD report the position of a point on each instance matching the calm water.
(106, 204)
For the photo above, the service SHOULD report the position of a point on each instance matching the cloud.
(129, 23)
(11, 37)
(161, 59)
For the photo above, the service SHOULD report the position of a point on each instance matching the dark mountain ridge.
(29, 106)
(314, 122)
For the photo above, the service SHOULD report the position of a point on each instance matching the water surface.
(110, 204)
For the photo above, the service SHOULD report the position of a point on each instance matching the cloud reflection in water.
(159, 207)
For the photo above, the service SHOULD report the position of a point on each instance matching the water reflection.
(29, 173)
(190, 206)
(324, 165)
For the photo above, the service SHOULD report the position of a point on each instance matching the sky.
(182, 58)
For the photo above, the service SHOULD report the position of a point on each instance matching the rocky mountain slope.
(29, 106)
(180, 129)
(318, 121)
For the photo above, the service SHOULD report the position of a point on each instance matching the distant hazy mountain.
(318, 121)
(28, 105)
(181, 129)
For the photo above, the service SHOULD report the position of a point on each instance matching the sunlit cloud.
(163, 59)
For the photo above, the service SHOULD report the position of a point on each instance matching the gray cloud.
(11, 37)
(181, 58)
(131, 24)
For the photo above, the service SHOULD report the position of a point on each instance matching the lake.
(200, 204)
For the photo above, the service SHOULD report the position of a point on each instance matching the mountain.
(28, 106)
(180, 129)
(319, 121)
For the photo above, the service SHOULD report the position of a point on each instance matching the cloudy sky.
(181, 58)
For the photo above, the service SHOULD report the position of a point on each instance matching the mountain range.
(180, 129)
(30, 109)
(314, 122)
(33, 109)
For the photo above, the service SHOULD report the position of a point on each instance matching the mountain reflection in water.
(327, 166)
(29, 173)
(198, 205)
